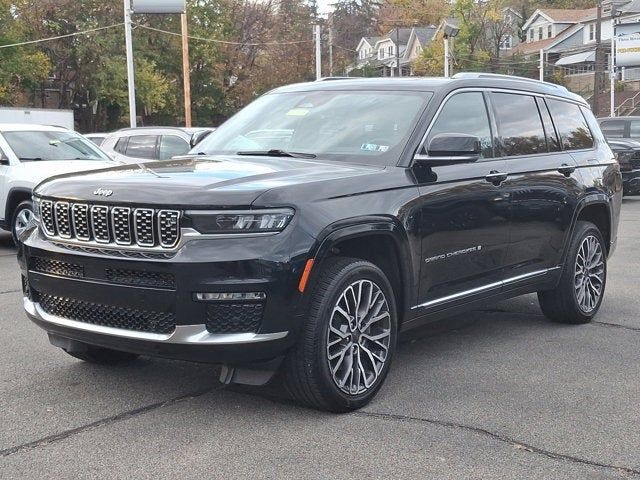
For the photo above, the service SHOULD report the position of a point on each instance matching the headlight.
(247, 221)
(624, 159)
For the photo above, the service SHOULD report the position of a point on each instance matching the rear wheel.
(345, 348)
(581, 289)
(103, 356)
(22, 217)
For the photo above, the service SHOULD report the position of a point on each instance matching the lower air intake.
(234, 317)
(108, 315)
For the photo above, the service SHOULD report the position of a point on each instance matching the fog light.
(229, 296)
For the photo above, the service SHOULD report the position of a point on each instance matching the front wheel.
(22, 216)
(345, 348)
(581, 289)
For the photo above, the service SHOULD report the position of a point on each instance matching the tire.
(20, 218)
(103, 356)
(320, 351)
(569, 303)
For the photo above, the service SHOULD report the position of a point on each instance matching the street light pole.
(186, 71)
(131, 82)
(612, 70)
(398, 52)
(318, 53)
(446, 57)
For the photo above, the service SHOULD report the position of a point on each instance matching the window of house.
(506, 43)
(531, 34)
(465, 113)
(592, 32)
(549, 35)
(539, 33)
(519, 124)
(571, 125)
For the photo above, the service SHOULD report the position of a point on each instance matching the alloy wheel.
(358, 337)
(23, 218)
(589, 274)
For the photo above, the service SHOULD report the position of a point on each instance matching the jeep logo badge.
(103, 192)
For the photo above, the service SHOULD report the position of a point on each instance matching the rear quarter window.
(570, 124)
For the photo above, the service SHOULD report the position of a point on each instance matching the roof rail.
(328, 79)
(506, 77)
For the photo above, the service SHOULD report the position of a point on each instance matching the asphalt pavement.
(495, 393)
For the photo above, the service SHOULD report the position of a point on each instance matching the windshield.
(52, 145)
(363, 127)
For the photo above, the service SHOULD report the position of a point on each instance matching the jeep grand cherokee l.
(324, 219)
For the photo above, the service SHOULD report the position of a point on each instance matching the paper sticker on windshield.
(298, 112)
(372, 147)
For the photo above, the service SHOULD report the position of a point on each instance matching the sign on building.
(628, 45)
(158, 6)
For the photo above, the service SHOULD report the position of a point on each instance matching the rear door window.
(121, 145)
(465, 113)
(571, 125)
(142, 146)
(519, 124)
(634, 129)
(613, 128)
(172, 145)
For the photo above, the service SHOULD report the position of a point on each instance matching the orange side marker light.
(305, 275)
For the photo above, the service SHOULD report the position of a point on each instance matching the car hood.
(624, 143)
(37, 171)
(211, 181)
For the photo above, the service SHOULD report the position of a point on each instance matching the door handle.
(566, 170)
(496, 177)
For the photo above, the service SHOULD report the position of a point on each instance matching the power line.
(31, 42)
(213, 40)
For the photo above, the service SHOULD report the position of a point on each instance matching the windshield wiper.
(29, 159)
(276, 152)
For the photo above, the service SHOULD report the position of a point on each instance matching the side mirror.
(449, 148)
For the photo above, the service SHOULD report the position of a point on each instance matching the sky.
(324, 6)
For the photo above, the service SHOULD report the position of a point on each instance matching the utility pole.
(446, 57)
(612, 70)
(130, 70)
(599, 64)
(186, 71)
(541, 66)
(318, 53)
(399, 70)
(331, 49)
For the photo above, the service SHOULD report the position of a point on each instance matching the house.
(508, 30)
(399, 45)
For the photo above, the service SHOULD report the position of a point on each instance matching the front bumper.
(81, 296)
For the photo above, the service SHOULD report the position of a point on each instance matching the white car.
(31, 153)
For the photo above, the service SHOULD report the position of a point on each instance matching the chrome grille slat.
(143, 227)
(100, 223)
(121, 222)
(46, 211)
(168, 227)
(80, 220)
(146, 228)
(62, 219)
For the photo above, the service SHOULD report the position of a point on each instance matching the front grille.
(141, 278)
(635, 161)
(108, 315)
(234, 317)
(26, 289)
(118, 226)
(56, 267)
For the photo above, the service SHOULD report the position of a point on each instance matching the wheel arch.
(381, 240)
(596, 209)
(15, 197)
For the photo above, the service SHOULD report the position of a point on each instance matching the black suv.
(324, 219)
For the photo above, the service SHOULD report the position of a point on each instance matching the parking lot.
(496, 393)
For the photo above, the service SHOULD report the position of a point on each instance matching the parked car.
(144, 144)
(31, 153)
(628, 155)
(97, 138)
(322, 220)
(620, 127)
